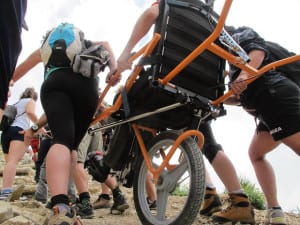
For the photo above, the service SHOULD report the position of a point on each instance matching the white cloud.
(113, 20)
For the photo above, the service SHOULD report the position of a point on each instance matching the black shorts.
(11, 134)
(278, 108)
(211, 147)
(261, 127)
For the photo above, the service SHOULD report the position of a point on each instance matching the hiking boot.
(120, 204)
(276, 216)
(240, 210)
(152, 204)
(62, 214)
(84, 209)
(211, 202)
(102, 202)
(48, 205)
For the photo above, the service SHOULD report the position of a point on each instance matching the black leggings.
(69, 101)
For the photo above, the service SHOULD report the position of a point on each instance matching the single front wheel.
(183, 178)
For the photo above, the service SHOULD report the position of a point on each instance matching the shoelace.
(228, 208)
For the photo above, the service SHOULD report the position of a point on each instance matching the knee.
(255, 155)
(211, 151)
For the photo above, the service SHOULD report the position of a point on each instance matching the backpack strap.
(48, 71)
(125, 103)
(22, 112)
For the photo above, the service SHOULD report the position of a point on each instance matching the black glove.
(96, 167)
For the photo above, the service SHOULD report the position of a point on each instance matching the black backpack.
(291, 70)
(8, 117)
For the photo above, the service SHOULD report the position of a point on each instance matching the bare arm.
(113, 80)
(113, 61)
(141, 28)
(27, 65)
(42, 121)
(30, 111)
(28, 134)
(239, 85)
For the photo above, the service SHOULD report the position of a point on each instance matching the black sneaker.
(120, 204)
(48, 205)
(152, 204)
(84, 209)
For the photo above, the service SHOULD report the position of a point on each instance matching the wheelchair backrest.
(183, 26)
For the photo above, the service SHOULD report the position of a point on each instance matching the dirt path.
(35, 212)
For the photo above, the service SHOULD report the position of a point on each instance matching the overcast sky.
(112, 20)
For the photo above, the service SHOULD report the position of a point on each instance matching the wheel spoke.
(162, 199)
(173, 176)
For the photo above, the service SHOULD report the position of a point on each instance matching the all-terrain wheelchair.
(177, 83)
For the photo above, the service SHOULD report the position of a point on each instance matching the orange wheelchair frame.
(209, 45)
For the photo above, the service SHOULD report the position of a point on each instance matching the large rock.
(6, 211)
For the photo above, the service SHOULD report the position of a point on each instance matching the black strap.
(125, 103)
(150, 60)
(17, 110)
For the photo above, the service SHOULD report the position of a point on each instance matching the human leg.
(81, 178)
(104, 188)
(41, 193)
(240, 208)
(17, 150)
(58, 175)
(151, 191)
(43, 150)
(120, 202)
(83, 205)
(58, 172)
(226, 172)
(261, 144)
(103, 200)
(69, 113)
(211, 202)
(72, 191)
(293, 142)
(1, 113)
(88, 143)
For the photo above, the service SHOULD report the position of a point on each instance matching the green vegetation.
(256, 196)
(181, 190)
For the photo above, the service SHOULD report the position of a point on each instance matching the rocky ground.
(27, 211)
